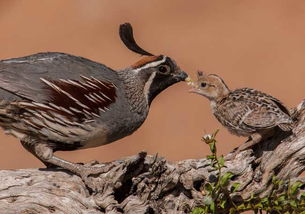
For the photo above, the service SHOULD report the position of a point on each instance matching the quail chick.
(244, 112)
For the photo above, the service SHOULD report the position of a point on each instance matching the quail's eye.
(163, 69)
(203, 84)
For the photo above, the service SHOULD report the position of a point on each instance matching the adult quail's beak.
(182, 76)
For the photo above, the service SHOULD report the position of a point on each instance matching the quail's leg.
(45, 153)
(253, 139)
(29, 148)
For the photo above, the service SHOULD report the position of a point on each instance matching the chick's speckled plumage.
(243, 111)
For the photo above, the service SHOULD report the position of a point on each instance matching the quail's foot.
(253, 139)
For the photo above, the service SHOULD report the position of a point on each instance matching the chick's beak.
(195, 88)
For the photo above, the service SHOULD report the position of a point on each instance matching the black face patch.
(160, 83)
(168, 62)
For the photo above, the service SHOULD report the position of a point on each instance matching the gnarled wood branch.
(150, 184)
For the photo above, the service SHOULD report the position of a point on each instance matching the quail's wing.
(232, 114)
(68, 82)
(260, 110)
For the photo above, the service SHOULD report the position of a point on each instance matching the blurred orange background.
(258, 44)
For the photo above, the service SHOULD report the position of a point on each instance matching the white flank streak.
(38, 115)
(62, 118)
(46, 116)
(31, 124)
(87, 85)
(89, 98)
(148, 84)
(114, 86)
(31, 111)
(94, 98)
(100, 82)
(152, 64)
(82, 105)
(84, 77)
(93, 85)
(27, 104)
(101, 109)
(62, 122)
(65, 110)
(87, 112)
(51, 85)
(89, 121)
(75, 110)
(106, 97)
(54, 106)
(41, 105)
(64, 92)
(76, 84)
(98, 96)
(65, 81)
(107, 108)
(96, 115)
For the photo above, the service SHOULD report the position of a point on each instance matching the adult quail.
(59, 102)
(245, 111)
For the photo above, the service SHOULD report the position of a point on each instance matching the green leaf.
(208, 187)
(223, 204)
(225, 178)
(212, 147)
(212, 207)
(295, 187)
(211, 157)
(281, 198)
(293, 203)
(275, 181)
(241, 207)
(198, 211)
(221, 161)
(235, 187)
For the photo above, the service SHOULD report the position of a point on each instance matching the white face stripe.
(148, 84)
(151, 64)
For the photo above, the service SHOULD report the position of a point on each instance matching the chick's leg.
(253, 139)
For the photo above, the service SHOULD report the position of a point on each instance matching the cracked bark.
(150, 184)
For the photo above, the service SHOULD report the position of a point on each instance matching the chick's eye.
(163, 68)
(203, 84)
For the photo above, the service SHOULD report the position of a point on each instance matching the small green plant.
(284, 198)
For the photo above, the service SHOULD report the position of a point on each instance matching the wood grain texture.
(151, 184)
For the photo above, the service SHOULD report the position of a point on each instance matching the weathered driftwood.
(150, 184)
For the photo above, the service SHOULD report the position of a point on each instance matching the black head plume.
(126, 34)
